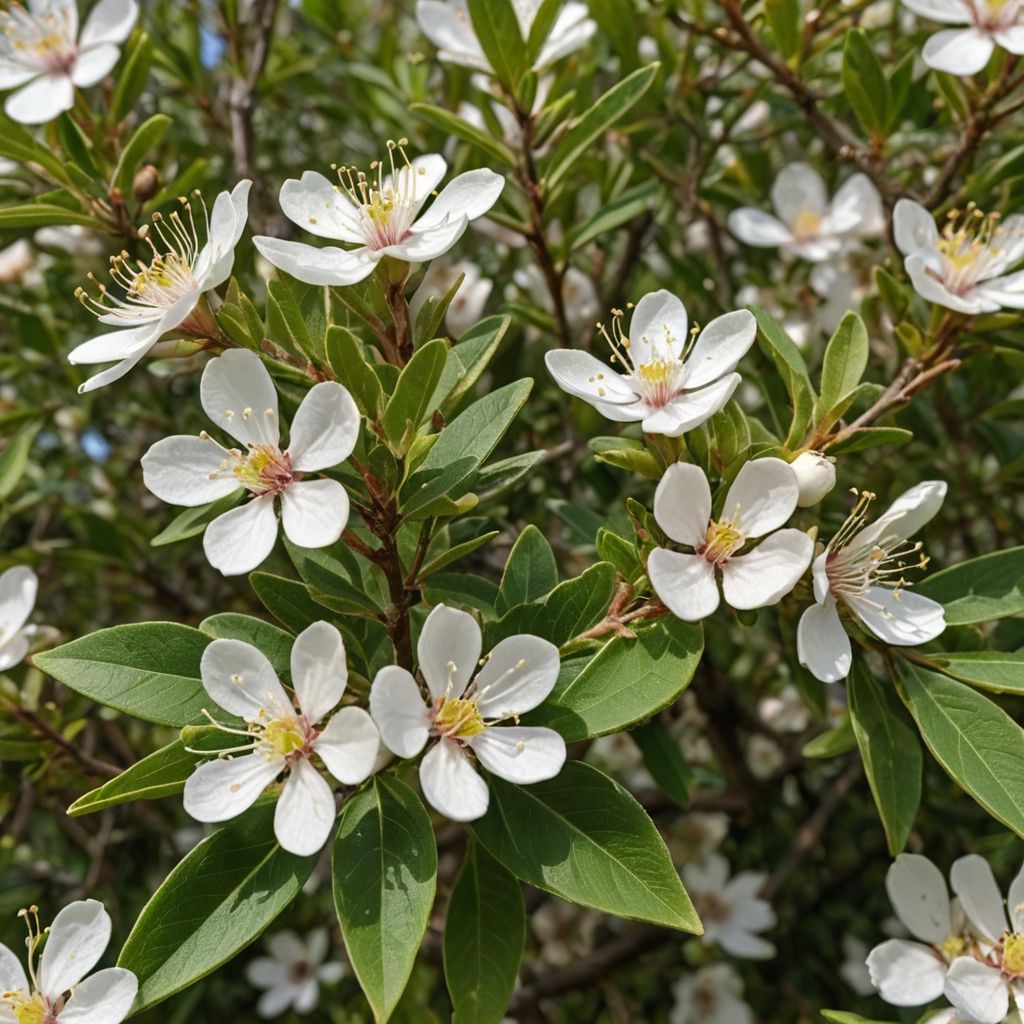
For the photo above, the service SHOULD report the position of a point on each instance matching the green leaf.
(627, 681)
(790, 364)
(980, 747)
(998, 671)
(385, 874)
(413, 397)
(621, 210)
(454, 553)
(347, 359)
(544, 17)
(833, 742)
(275, 643)
(842, 1017)
(584, 838)
(663, 758)
(481, 961)
(989, 587)
(473, 352)
(296, 318)
(37, 215)
(14, 458)
(131, 79)
(461, 588)
(890, 750)
(146, 669)
(596, 121)
(148, 135)
(451, 124)
(865, 84)
(497, 28)
(785, 22)
(869, 437)
(194, 521)
(530, 572)
(288, 601)
(845, 360)
(18, 144)
(213, 904)
(619, 26)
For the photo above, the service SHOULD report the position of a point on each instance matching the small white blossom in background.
(18, 588)
(731, 910)
(467, 306)
(466, 712)
(579, 295)
(863, 569)
(447, 24)
(564, 931)
(785, 711)
(381, 214)
(762, 497)
(281, 738)
(16, 263)
(293, 972)
(238, 395)
(807, 224)
(74, 944)
(763, 755)
(667, 384)
(45, 58)
(854, 969)
(167, 293)
(815, 476)
(965, 51)
(711, 995)
(964, 266)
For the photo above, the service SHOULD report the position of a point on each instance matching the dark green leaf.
(989, 587)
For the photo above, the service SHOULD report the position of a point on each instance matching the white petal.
(320, 207)
(762, 497)
(932, 290)
(314, 513)
(571, 30)
(451, 784)
(659, 325)
(958, 51)
(104, 998)
(1011, 39)
(349, 746)
(305, 811)
(318, 942)
(913, 227)
(977, 991)
(919, 896)
(13, 74)
(769, 572)
(420, 179)
(682, 503)
(952, 12)
(519, 673)
(326, 265)
(1015, 901)
(240, 679)
(399, 712)
(275, 1001)
(238, 541)
(240, 398)
(307, 995)
(105, 348)
(972, 880)
(856, 209)
(520, 754)
(331, 973)
(469, 195)
(266, 972)
(906, 973)
(105, 377)
(685, 583)
(12, 974)
(448, 650)
(1002, 292)
(18, 588)
(325, 428)
(740, 942)
(41, 100)
(227, 219)
(755, 227)
(905, 516)
(899, 617)
(581, 374)
(447, 26)
(287, 948)
(225, 787)
(799, 189)
(423, 244)
(720, 346)
(822, 646)
(13, 651)
(110, 21)
(94, 64)
(691, 408)
(319, 672)
(186, 470)
(78, 936)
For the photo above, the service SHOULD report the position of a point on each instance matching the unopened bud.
(815, 476)
(146, 182)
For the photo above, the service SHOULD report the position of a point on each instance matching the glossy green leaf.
(451, 124)
(530, 572)
(864, 83)
(146, 137)
(14, 458)
(846, 357)
(348, 360)
(474, 351)
(296, 318)
(998, 671)
(273, 641)
(193, 521)
(989, 587)
(790, 364)
(663, 758)
(786, 24)
(497, 28)
(414, 396)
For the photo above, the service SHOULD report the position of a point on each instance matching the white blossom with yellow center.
(44, 57)
(964, 266)
(166, 292)
(239, 396)
(466, 711)
(665, 379)
(966, 51)
(56, 988)
(863, 568)
(806, 223)
(760, 500)
(282, 737)
(380, 213)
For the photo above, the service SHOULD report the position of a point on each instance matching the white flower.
(761, 498)
(381, 216)
(808, 225)
(165, 294)
(466, 713)
(711, 995)
(785, 711)
(74, 944)
(293, 973)
(42, 52)
(667, 383)
(964, 267)
(239, 396)
(467, 306)
(965, 51)
(863, 568)
(16, 260)
(815, 476)
(732, 912)
(447, 24)
(912, 973)
(18, 587)
(282, 738)
(982, 985)
(854, 970)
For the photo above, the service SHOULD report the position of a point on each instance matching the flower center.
(970, 246)
(457, 718)
(952, 947)
(720, 542)
(43, 41)
(994, 15)
(29, 1009)
(806, 225)
(1013, 953)
(264, 470)
(283, 737)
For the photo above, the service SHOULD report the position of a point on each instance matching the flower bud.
(146, 182)
(815, 475)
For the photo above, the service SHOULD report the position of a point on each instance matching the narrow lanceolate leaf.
(990, 587)
(497, 28)
(146, 137)
(193, 521)
(785, 22)
(842, 1017)
(865, 84)
(890, 750)
(845, 359)
(584, 838)
(782, 350)
(663, 758)
(484, 934)
(975, 741)
(385, 874)
(14, 458)
(214, 903)
(451, 124)
(530, 572)
(999, 671)
(628, 680)
(146, 669)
